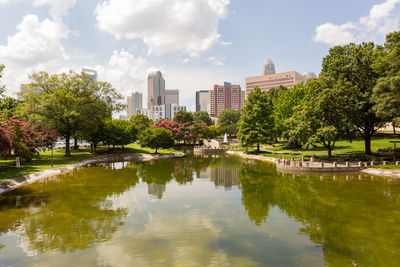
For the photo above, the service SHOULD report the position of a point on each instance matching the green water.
(211, 211)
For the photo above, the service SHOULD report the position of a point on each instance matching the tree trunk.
(394, 128)
(75, 143)
(367, 139)
(91, 147)
(258, 148)
(67, 151)
(156, 150)
(95, 146)
(329, 152)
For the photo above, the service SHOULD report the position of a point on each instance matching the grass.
(344, 150)
(388, 167)
(8, 170)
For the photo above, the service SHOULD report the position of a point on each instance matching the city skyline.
(226, 45)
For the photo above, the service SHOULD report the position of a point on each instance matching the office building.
(201, 100)
(134, 103)
(223, 97)
(270, 79)
(91, 73)
(172, 96)
(155, 89)
(145, 112)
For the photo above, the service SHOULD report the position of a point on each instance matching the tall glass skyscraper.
(155, 89)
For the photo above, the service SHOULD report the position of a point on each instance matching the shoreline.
(373, 171)
(14, 183)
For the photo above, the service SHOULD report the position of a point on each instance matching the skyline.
(211, 42)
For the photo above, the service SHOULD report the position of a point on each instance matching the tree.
(26, 138)
(256, 124)
(68, 102)
(142, 122)
(157, 138)
(176, 128)
(2, 87)
(386, 92)
(120, 132)
(5, 142)
(213, 131)
(202, 116)
(8, 107)
(228, 121)
(284, 101)
(184, 117)
(352, 65)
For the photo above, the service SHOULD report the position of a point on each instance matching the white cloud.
(164, 25)
(58, 8)
(216, 61)
(381, 20)
(3, 1)
(125, 72)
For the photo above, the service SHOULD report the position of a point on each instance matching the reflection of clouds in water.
(188, 239)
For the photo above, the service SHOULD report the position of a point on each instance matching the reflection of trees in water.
(77, 212)
(351, 219)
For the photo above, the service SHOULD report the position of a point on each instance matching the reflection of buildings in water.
(224, 177)
(156, 190)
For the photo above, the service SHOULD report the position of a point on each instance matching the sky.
(195, 43)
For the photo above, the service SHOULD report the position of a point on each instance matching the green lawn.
(8, 169)
(344, 150)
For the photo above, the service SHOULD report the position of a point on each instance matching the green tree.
(386, 91)
(202, 116)
(213, 131)
(228, 121)
(352, 65)
(157, 138)
(2, 87)
(142, 122)
(68, 102)
(120, 132)
(284, 103)
(256, 124)
(184, 117)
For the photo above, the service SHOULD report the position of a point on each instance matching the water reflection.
(111, 215)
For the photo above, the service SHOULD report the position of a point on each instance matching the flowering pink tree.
(26, 139)
(5, 143)
(175, 127)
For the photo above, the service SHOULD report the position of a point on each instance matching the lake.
(201, 211)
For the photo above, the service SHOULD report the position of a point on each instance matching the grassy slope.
(8, 169)
(343, 150)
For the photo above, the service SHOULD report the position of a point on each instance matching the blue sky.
(196, 43)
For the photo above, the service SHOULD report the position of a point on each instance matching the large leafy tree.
(69, 102)
(256, 125)
(352, 65)
(157, 138)
(142, 122)
(387, 89)
(228, 121)
(184, 117)
(202, 116)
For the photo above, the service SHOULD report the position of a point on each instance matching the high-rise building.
(155, 89)
(172, 96)
(91, 73)
(175, 108)
(134, 103)
(201, 100)
(223, 97)
(270, 79)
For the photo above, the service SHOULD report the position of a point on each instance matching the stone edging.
(11, 184)
(373, 171)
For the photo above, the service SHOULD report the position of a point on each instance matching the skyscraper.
(223, 97)
(155, 89)
(134, 103)
(172, 96)
(201, 100)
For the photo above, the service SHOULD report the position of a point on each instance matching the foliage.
(184, 117)
(2, 87)
(176, 128)
(256, 124)
(386, 92)
(352, 65)
(68, 102)
(213, 131)
(120, 132)
(228, 121)
(142, 122)
(26, 139)
(157, 138)
(203, 116)
(5, 142)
